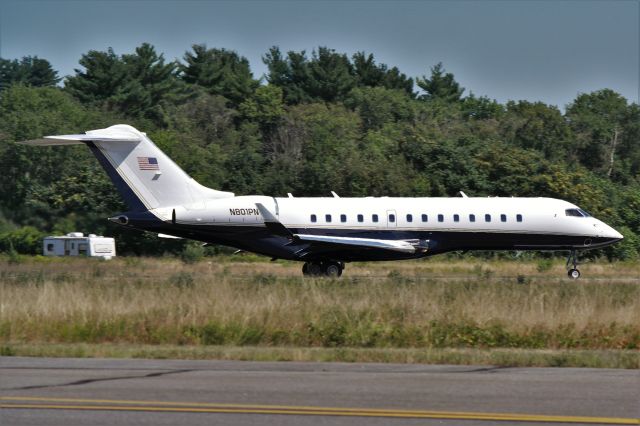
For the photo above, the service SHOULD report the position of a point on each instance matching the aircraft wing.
(402, 246)
(277, 228)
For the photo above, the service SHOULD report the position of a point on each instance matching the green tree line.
(315, 123)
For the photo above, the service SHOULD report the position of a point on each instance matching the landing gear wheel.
(573, 259)
(312, 269)
(332, 269)
(329, 269)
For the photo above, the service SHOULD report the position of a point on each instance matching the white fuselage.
(385, 228)
(474, 215)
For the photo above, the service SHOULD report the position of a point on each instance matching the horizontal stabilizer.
(393, 245)
(51, 142)
(79, 139)
(145, 176)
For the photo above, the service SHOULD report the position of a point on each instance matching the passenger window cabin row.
(423, 217)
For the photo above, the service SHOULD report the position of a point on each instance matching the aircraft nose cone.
(612, 234)
(606, 235)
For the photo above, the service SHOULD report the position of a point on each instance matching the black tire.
(573, 273)
(315, 269)
(332, 269)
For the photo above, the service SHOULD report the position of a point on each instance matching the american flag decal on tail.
(148, 163)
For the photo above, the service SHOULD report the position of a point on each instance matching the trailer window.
(49, 247)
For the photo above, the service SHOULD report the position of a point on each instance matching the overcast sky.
(536, 50)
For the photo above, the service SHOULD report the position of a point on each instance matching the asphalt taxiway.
(64, 391)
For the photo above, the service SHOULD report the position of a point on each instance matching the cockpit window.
(584, 213)
(576, 213)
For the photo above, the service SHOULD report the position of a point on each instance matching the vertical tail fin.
(144, 175)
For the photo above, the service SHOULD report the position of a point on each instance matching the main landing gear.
(328, 269)
(573, 259)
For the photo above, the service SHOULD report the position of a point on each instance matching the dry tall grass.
(411, 304)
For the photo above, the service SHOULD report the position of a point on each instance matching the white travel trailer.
(76, 244)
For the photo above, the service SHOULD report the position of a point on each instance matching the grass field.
(471, 311)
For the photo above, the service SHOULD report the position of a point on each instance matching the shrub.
(627, 249)
(192, 253)
(25, 240)
(544, 265)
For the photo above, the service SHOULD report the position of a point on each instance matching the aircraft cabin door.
(392, 218)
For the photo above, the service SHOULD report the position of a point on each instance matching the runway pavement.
(37, 391)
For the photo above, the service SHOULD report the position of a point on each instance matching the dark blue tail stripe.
(130, 198)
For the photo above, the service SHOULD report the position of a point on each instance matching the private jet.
(325, 233)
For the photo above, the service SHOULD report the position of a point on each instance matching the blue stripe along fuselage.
(257, 238)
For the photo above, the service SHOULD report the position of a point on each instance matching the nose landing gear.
(328, 269)
(573, 259)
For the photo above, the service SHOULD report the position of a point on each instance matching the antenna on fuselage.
(334, 194)
(462, 194)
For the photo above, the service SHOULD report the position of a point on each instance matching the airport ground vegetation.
(490, 312)
(317, 122)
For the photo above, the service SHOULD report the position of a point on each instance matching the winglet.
(272, 223)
